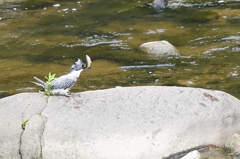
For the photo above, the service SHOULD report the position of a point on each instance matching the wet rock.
(121, 123)
(158, 4)
(192, 155)
(233, 144)
(163, 48)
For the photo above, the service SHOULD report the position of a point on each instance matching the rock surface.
(192, 155)
(32, 136)
(163, 48)
(121, 123)
(14, 110)
(233, 144)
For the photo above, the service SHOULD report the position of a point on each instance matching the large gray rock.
(162, 48)
(121, 123)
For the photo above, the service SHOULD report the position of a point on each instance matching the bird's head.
(78, 66)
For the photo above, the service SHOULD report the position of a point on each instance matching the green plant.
(48, 85)
(24, 124)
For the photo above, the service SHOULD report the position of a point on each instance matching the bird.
(62, 84)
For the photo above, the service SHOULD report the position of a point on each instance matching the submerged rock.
(163, 48)
(121, 123)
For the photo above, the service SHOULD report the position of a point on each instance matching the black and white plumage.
(62, 84)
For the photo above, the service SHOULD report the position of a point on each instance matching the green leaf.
(24, 124)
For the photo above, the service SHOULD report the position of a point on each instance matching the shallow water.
(47, 36)
(38, 37)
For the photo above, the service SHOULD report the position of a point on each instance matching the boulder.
(163, 48)
(121, 123)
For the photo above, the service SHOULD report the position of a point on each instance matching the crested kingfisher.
(62, 84)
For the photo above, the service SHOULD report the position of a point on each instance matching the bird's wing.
(63, 82)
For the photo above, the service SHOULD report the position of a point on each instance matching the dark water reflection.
(38, 37)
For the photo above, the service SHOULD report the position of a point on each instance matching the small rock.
(192, 155)
(233, 144)
(56, 5)
(158, 4)
(159, 48)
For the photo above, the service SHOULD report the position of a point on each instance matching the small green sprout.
(24, 124)
(50, 77)
(48, 85)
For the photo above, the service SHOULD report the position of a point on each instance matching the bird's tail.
(39, 83)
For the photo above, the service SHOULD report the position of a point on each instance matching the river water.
(38, 37)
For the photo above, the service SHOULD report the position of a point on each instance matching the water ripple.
(91, 44)
(216, 49)
(231, 38)
(148, 66)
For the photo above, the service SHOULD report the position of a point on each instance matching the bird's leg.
(66, 93)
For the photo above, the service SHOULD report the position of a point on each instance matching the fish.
(89, 62)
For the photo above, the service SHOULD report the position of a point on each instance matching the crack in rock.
(31, 136)
(43, 128)
(20, 143)
(31, 146)
(23, 129)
